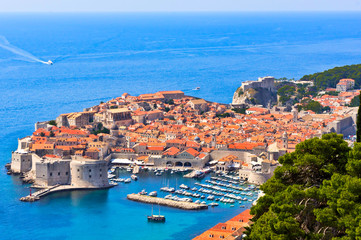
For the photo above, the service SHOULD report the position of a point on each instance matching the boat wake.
(4, 43)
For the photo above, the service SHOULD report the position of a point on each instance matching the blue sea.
(100, 56)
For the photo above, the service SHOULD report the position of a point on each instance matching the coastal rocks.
(166, 202)
(254, 96)
(29, 199)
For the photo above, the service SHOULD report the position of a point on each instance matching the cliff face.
(254, 96)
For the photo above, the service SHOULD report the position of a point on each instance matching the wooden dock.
(166, 202)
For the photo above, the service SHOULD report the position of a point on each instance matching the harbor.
(172, 188)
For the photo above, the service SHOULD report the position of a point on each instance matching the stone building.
(172, 94)
(88, 173)
(50, 170)
(118, 116)
(198, 104)
(262, 82)
(345, 84)
(78, 119)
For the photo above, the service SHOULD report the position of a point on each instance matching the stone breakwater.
(166, 202)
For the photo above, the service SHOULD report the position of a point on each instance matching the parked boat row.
(125, 180)
(167, 189)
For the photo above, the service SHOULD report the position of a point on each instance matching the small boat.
(184, 186)
(134, 177)
(156, 218)
(143, 192)
(111, 176)
(210, 197)
(113, 183)
(158, 174)
(197, 88)
(127, 180)
(153, 194)
(213, 204)
(242, 206)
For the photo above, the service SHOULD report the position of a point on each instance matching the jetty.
(166, 202)
(56, 188)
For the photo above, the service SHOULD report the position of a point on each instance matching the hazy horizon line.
(195, 11)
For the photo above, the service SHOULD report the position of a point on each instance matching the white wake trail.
(4, 43)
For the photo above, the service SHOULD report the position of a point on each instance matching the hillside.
(330, 78)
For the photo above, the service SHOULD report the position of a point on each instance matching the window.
(234, 229)
(223, 227)
(66, 173)
(51, 174)
(211, 235)
(221, 236)
(58, 173)
(90, 176)
(78, 169)
(100, 175)
(90, 170)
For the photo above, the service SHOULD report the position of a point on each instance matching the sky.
(176, 5)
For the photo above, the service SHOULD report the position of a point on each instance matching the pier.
(56, 188)
(166, 202)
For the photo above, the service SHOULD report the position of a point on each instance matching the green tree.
(355, 102)
(52, 122)
(331, 77)
(314, 106)
(315, 194)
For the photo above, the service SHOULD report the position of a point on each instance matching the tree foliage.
(315, 194)
(330, 78)
(355, 102)
(52, 122)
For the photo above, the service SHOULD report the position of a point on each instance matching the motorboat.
(153, 194)
(213, 204)
(184, 186)
(143, 192)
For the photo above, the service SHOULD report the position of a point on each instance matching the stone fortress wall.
(262, 82)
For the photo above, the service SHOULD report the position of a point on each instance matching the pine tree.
(358, 122)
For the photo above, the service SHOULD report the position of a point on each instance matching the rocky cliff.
(254, 96)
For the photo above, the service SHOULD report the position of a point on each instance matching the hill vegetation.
(315, 194)
(330, 78)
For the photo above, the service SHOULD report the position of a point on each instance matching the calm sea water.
(100, 56)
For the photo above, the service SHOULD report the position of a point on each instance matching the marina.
(176, 190)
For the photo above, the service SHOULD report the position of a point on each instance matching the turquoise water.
(100, 56)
